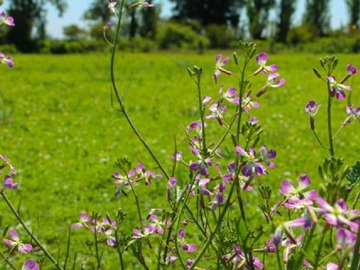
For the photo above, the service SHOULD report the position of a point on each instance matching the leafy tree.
(74, 32)
(30, 14)
(286, 11)
(207, 11)
(149, 21)
(98, 11)
(354, 13)
(258, 15)
(318, 15)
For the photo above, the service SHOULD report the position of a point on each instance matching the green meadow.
(63, 133)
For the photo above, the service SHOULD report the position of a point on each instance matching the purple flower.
(16, 243)
(247, 103)
(332, 266)
(186, 247)
(7, 60)
(230, 95)
(238, 259)
(9, 182)
(337, 89)
(6, 20)
(200, 165)
(252, 165)
(156, 225)
(261, 60)
(353, 114)
(311, 108)
(7, 163)
(346, 239)
(272, 82)
(139, 173)
(352, 70)
(84, 219)
(339, 214)
(219, 66)
(30, 265)
(217, 111)
(267, 156)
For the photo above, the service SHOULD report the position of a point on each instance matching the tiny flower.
(219, 66)
(171, 182)
(311, 108)
(156, 225)
(271, 82)
(252, 165)
(217, 110)
(84, 219)
(201, 164)
(261, 60)
(353, 114)
(267, 156)
(352, 70)
(108, 25)
(186, 247)
(345, 238)
(337, 89)
(332, 266)
(112, 6)
(230, 95)
(247, 103)
(16, 243)
(7, 60)
(7, 163)
(9, 182)
(30, 265)
(6, 20)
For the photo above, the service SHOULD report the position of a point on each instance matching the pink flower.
(7, 60)
(9, 182)
(261, 59)
(219, 66)
(337, 89)
(30, 265)
(272, 82)
(6, 20)
(16, 243)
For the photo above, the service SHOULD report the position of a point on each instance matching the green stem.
(17, 215)
(119, 98)
(331, 140)
(7, 261)
(319, 249)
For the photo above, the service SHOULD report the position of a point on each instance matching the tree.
(73, 32)
(207, 12)
(98, 11)
(30, 14)
(318, 15)
(258, 15)
(354, 13)
(286, 11)
(149, 22)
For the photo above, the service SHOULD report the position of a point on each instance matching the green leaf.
(353, 175)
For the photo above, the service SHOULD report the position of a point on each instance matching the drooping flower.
(9, 182)
(272, 82)
(311, 108)
(261, 60)
(16, 243)
(7, 60)
(6, 20)
(353, 114)
(84, 221)
(337, 89)
(352, 70)
(219, 66)
(186, 247)
(30, 265)
(7, 163)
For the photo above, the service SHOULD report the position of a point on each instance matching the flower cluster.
(6, 20)
(103, 227)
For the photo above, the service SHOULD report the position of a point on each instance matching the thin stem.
(17, 215)
(318, 139)
(331, 140)
(7, 261)
(67, 249)
(319, 249)
(119, 98)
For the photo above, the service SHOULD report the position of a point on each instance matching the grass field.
(63, 135)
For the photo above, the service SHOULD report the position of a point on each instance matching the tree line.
(244, 18)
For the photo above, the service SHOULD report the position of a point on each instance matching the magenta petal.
(30, 265)
(304, 181)
(286, 187)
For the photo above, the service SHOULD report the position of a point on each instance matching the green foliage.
(178, 36)
(219, 36)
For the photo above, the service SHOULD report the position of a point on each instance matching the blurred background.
(60, 26)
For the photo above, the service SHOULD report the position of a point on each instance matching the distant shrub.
(137, 44)
(219, 36)
(178, 36)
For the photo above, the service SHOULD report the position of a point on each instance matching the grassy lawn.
(63, 135)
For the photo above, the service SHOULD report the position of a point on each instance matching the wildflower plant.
(218, 211)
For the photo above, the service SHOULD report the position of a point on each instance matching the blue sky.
(76, 9)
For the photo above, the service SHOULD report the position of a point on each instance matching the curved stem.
(119, 98)
(21, 221)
